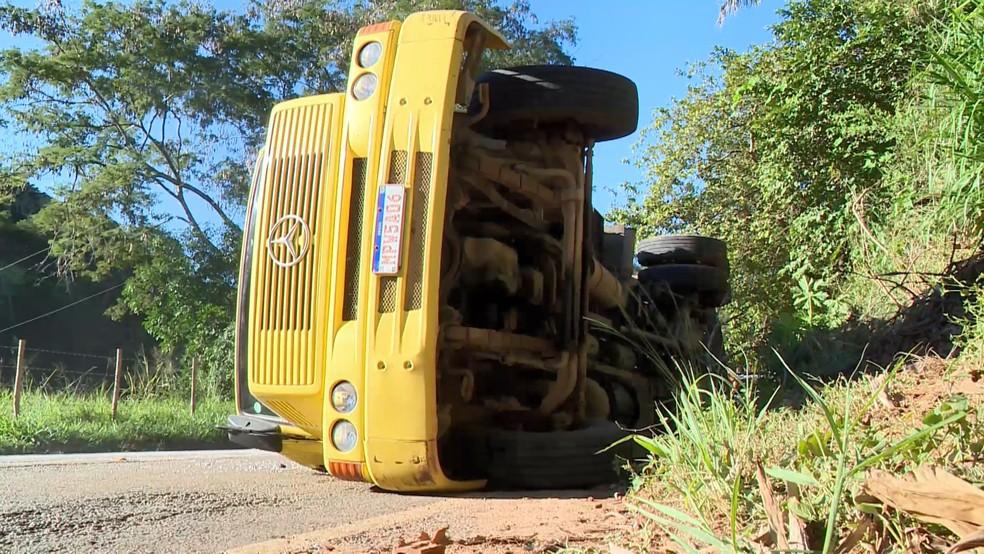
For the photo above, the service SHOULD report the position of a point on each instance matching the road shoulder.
(494, 523)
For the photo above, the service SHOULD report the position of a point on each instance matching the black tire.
(604, 104)
(682, 249)
(557, 460)
(709, 283)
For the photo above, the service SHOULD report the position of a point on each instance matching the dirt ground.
(918, 388)
(251, 501)
(185, 502)
(494, 523)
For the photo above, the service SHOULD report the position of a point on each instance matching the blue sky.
(648, 41)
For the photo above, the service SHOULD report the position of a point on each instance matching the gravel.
(191, 502)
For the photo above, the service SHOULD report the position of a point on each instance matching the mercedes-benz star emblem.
(288, 241)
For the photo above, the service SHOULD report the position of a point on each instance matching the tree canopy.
(809, 155)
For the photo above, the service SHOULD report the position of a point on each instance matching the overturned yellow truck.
(428, 300)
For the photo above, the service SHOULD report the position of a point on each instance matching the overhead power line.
(28, 257)
(65, 307)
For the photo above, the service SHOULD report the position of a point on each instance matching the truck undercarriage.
(544, 328)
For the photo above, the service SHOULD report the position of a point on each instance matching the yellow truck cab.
(428, 301)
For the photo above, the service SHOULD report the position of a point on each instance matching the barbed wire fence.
(50, 370)
(24, 367)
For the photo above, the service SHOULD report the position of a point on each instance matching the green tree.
(143, 119)
(780, 149)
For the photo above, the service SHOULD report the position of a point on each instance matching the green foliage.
(143, 119)
(701, 479)
(144, 116)
(957, 76)
(813, 302)
(712, 434)
(971, 339)
(840, 160)
(63, 422)
(846, 149)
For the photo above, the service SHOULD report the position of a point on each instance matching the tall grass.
(714, 434)
(66, 422)
(700, 483)
(958, 92)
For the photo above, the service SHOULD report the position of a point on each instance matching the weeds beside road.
(710, 481)
(65, 422)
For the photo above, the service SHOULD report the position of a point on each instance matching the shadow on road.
(605, 491)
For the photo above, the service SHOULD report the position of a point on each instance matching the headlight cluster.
(344, 436)
(364, 85)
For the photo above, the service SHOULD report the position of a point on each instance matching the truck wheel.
(683, 249)
(557, 460)
(604, 104)
(709, 283)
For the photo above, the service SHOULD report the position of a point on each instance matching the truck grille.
(353, 249)
(283, 339)
(418, 229)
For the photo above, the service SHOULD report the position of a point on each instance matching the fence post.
(116, 381)
(19, 376)
(194, 380)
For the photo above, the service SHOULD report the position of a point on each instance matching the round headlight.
(369, 54)
(364, 86)
(343, 397)
(344, 436)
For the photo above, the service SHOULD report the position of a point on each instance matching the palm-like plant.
(729, 7)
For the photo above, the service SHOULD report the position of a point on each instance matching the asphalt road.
(173, 502)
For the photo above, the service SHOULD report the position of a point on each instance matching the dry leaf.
(969, 542)
(765, 536)
(885, 396)
(797, 528)
(860, 531)
(425, 544)
(772, 509)
(933, 495)
(441, 537)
